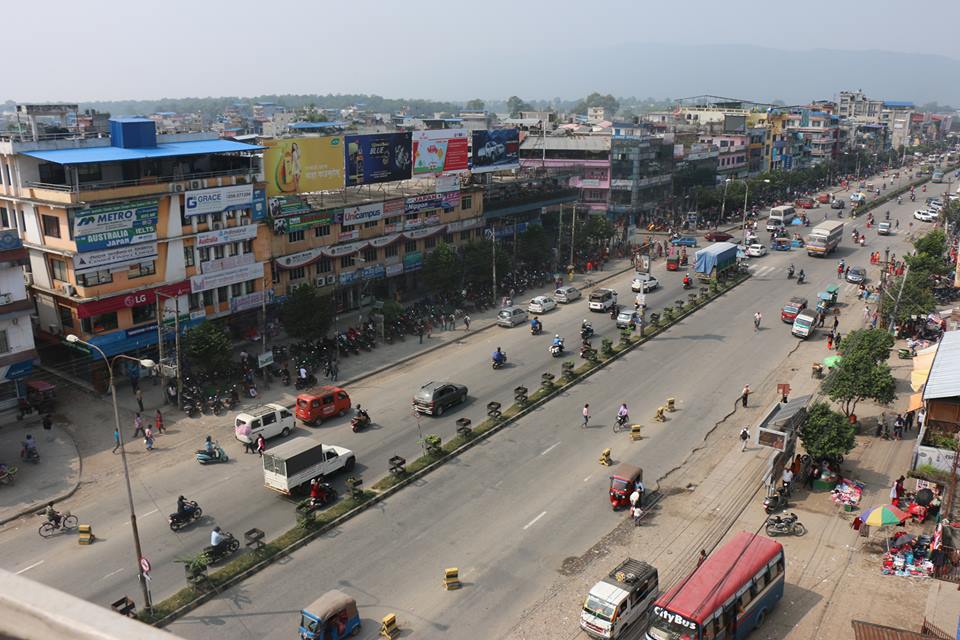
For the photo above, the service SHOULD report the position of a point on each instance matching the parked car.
(644, 282)
(541, 304)
(511, 316)
(756, 250)
(434, 398)
(684, 241)
(717, 236)
(925, 216)
(856, 275)
(567, 294)
(790, 310)
(838, 204)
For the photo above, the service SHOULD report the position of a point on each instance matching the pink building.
(587, 157)
(733, 153)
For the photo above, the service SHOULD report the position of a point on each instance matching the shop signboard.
(412, 260)
(307, 220)
(139, 331)
(114, 259)
(207, 281)
(448, 201)
(369, 212)
(248, 301)
(115, 225)
(282, 206)
(772, 439)
(440, 151)
(303, 165)
(136, 299)
(378, 157)
(226, 235)
(350, 234)
(348, 277)
(339, 250)
(212, 266)
(301, 259)
(394, 269)
(416, 234)
(374, 272)
(496, 150)
(259, 208)
(196, 203)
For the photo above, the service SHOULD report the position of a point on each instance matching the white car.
(541, 304)
(756, 250)
(644, 282)
(490, 152)
(925, 216)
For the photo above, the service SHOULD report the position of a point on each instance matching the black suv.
(436, 397)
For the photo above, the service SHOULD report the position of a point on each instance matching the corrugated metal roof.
(117, 154)
(314, 125)
(869, 631)
(944, 380)
(567, 143)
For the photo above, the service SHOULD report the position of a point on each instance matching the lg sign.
(135, 300)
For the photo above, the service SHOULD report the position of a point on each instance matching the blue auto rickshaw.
(781, 244)
(828, 298)
(332, 616)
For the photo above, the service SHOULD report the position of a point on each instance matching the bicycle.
(67, 522)
(619, 426)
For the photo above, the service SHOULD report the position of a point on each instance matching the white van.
(270, 420)
(780, 217)
(804, 325)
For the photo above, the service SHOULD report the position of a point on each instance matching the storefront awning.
(922, 363)
(916, 402)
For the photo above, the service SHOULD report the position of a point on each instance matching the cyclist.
(53, 516)
(622, 414)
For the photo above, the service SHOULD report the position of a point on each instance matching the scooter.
(536, 329)
(178, 522)
(687, 284)
(586, 331)
(219, 455)
(303, 383)
(790, 273)
(800, 279)
(787, 525)
(498, 364)
(360, 421)
(776, 501)
(30, 455)
(228, 546)
(556, 350)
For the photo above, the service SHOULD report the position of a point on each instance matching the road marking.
(588, 477)
(532, 522)
(550, 448)
(150, 513)
(112, 573)
(35, 564)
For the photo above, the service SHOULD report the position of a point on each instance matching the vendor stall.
(847, 494)
(908, 555)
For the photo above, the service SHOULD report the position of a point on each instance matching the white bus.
(780, 217)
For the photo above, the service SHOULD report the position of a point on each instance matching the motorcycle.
(536, 329)
(776, 501)
(193, 512)
(586, 350)
(30, 455)
(227, 546)
(219, 455)
(360, 421)
(790, 273)
(800, 279)
(556, 350)
(687, 284)
(303, 383)
(622, 419)
(285, 376)
(586, 332)
(786, 525)
(190, 406)
(498, 364)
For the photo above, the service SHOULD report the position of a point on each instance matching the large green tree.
(515, 105)
(208, 348)
(859, 377)
(442, 269)
(610, 104)
(873, 345)
(827, 434)
(475, 105)
(307, 313)
(916, 297)
(535, 248)
(478, 263)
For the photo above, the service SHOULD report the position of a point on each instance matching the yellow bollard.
(388, 626)
(605, 458)
(635, 432)
(451, 579)
(86, 534)
(671, 404)
(660, 417)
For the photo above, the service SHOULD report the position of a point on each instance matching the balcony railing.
(27, 136)
(145, 181)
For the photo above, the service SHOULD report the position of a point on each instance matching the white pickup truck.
(294, 463)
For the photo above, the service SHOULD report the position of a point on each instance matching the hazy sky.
(109, 49)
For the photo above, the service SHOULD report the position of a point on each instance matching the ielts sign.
(130, 300)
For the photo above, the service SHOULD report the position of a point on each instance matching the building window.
(234, 248)
(59, 270)
(204, 254)
(146, 313)
(51, 226)
(297, 274)
(371, 224)
(66, 317)
(392, 251)
(236, 290)
(188, 256)
(89, 173)
(248, 246)
(250, 286)
(466, 202)
(222, 294)
(370, 254)
(94, 278)
(4, 218)
(103, 322)
(430, 242)
(218, 252)
(194, 301)
(140, 270)
(4, 342)
(410, 246)
(464, 236)
(394, 221)
(208, 298)
(295, 236)
(346, 261)
(410, 217)
(325, 265)
(322, 230)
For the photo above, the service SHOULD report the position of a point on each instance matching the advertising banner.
(259, 208)
(212, 266)
(302, 165)
(448, 183)
(229, 234)
(306, 221)
(288, 206)
(138, 299)
(412, 261)
(362, 213)
(448, 201)
(208, 281)
(440, 151)
(301, 259)
(115, 225)
(206, 201)
(394, 269)
(379, 157)
(496, 150)
(113, 259)
(248, 301)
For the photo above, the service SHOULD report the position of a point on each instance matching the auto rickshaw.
(332, 616)
(325, 402)
(673, 263)
(781, 244)
(41, 396)
(828, 298)
(622, 482)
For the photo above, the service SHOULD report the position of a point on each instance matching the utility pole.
(493, 242)
(559, 234)
(891, 326)
(573, 234)
(723, 203)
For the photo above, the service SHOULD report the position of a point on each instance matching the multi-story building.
(732, 160)
(17, 351)
(641, 176)
(586, 156)
(113, 223)
(756, 142)
(855, 105)
(817, 133)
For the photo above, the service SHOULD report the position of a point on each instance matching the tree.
(933, 243)
(306, 314)
(610, 104)
(827, 434)
(442, 269)
(857, 377)
(916, 297)
(871, 344)
(535, 248)
(475, 105)
(478, 263)
(515, 105)
(208, 348)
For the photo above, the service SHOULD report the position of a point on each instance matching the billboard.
(205, 201)
(302, 165)
(362, 213)
(378, 157)
(113, 259)
(115, 225)
(448, 201)
(440, 151)
(496, 150)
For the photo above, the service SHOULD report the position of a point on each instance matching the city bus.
(726, 597)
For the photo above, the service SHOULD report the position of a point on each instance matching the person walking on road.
(139, 394)
(138, 426)
(744, 438)
(702, 558)
(466, 323)
(420, 332)
(744, 394)
(158, 422)
(261, 444)
(830, 342)
(148, 438)
(116, 439)
(756, 321)
(586, 414)
(637, 514)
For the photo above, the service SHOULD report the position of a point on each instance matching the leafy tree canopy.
(306, 314)
(857, 377)
(872, 345)
(208, 348)
(827, 434)
(475, 105)
(515, 105)
(442, 269)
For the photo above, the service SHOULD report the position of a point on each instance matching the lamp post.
(72, 339)
(723, 203)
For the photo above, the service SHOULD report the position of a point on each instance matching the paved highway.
(508, 512)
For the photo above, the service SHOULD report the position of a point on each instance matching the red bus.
(726, 597)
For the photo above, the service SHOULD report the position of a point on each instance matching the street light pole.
(123, 456)
(723, 203)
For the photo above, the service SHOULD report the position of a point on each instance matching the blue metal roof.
(897, 103)
(314, 125)
(163, 150)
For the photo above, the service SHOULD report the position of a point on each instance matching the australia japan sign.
(115, 225)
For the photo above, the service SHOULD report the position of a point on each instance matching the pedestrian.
(837, 341)
(839, 271)
(249, 445)
(48, 427)
(821, 318)
(702, 558)
(466, 322)
(637, 514)
(638, 486)
(429, 328)
(634, 498)
(116, 439)
(908, 419)
(866, 314)
(138, 425)
(744, 394)
(261, 444)
(830, 342)
(586, 414)
(158, 422)
(836, 322)
(148, 438)
(420, 332)
(846, 271)
(744, 438)
(334, 371)
(786, 478)
(898, 427)
(139, 394)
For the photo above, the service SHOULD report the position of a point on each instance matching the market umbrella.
(903, 539)
(883, 516)
(831, 361)
(924, 497)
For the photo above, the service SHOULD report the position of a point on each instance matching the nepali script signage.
(115, 225)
